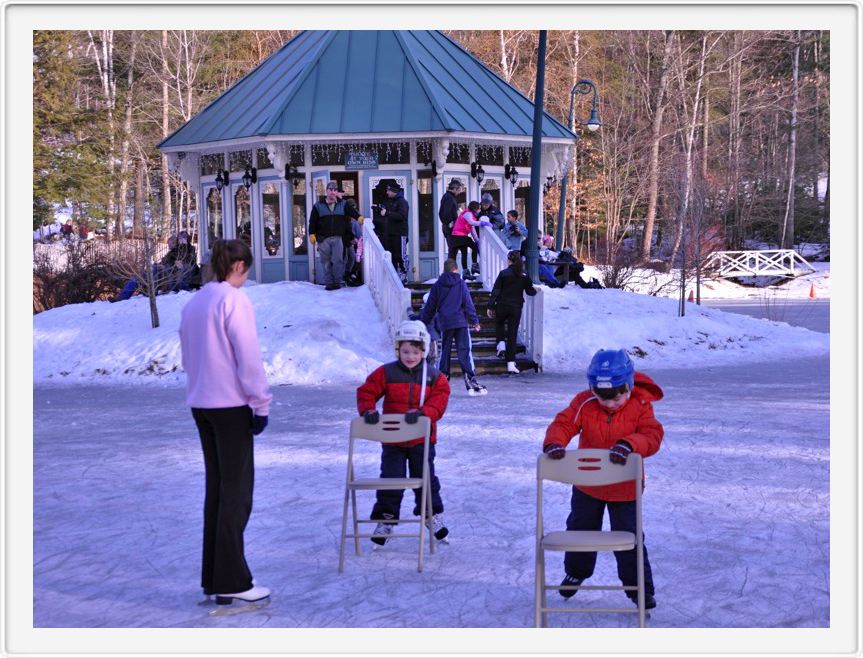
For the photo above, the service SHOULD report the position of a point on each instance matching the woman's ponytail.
(226, 253)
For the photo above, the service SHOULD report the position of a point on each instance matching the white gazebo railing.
(768, 262)
(391, 297)
(492, 259)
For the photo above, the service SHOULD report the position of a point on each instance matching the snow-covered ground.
(736, 510)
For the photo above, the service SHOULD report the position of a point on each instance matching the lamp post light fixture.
(593, 124)
(250, 176)
(476, 171)
(222, 179)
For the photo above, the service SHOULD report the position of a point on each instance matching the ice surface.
(736, 508)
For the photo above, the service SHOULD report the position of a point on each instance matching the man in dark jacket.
(330, 229)
(450, 300)
(488, 210)
(448, 211)
(395, 212)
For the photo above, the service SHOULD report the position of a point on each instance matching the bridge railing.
(492, 259)
(389, 294)
(763, 262)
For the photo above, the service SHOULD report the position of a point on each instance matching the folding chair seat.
(391, 428)
(587, 467)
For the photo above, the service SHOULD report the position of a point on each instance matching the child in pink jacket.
(226, 387)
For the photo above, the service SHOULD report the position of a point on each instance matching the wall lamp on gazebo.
(476, 171)
(251, 176)
(292, 174)
(222, 179)
(510, 173)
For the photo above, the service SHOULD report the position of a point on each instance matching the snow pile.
(311, 336)
(307, 335)
(578, 322)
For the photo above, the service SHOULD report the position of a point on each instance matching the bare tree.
(787, 240)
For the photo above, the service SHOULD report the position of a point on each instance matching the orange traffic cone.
(811, 291)
(691, 297)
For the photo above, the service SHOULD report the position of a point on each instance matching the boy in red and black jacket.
(615, 414)
(408, 386)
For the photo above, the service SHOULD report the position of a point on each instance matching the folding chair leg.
(344, 532)
(429, 514)
(423, 512)
(356, 523)
(540, 619)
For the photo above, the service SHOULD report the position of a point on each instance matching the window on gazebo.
(487, 154)
(214, 216)
(212, 163)
(243, 213)
(492, 186)
(426, 214)
(458, 153)
(298, 217)
(263, 159)
(272, 219)
(237, 160)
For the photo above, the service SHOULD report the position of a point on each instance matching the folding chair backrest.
(391, 428)
(589, 467)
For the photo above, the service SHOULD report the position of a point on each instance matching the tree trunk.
(572, 182)
(166, 180)
(655, 139)
(788, 223)
(138, 217)
(127, 136)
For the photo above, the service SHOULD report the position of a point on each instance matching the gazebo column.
(440, 150)
(414, 219)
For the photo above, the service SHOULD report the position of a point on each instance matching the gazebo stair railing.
(390, 296)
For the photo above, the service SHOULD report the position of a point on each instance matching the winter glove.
(411, 417)
(490, 313)
(372, 417)
(555, 451)
(259, 423)
(485, 223)
(619, 452)
(313, 238)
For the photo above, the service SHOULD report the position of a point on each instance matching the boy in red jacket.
(616, 414)
(408, 386)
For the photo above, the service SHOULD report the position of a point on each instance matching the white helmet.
(412, 330)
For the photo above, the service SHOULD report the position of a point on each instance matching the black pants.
(461, 336)
(393, 459)
(586, 514)
(393, 245)
(506, 319)
(226, 439)
(462, 243)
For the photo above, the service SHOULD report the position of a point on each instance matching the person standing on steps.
(449, 300)
(464, 237)
(395, 212)
(505, 304)
(227, 390)
(330, 229)
(448, 211)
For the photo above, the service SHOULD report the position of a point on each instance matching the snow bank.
(578, 322)
(311, 336)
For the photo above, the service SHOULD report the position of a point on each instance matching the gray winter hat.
(486, 198)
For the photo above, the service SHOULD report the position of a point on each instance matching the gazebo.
(361, 107)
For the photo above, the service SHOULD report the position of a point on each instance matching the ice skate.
(649, 600)
(501, 350)
(236, 603)
(474, 269)
(511, 368)
(383, 530)
(569, 581)
(467, 276)
(474, 387)
(437, 528)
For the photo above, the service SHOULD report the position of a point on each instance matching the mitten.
(619, 452)
(485, 223)
(411, 417)
(259, 423)
(313, 238)
(372, 417)
(555, 451)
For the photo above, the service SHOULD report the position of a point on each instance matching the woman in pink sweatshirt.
(226, 387)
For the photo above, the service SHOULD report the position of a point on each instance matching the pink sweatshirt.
(221, 354)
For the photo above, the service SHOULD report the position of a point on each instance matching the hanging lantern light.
(250, 176)
(222, 179)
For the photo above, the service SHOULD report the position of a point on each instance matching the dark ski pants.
(393, 459)
(462, 243)
(506, 319)
(395, 246)
(226, 439)
(461, 335)
(586, 514)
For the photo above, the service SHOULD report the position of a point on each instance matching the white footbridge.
(766, 262)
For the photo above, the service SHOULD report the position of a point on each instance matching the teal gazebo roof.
(365, 81)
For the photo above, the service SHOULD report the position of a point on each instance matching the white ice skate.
(511, 368)
(437, 528)
(474, 387)
(234, 604)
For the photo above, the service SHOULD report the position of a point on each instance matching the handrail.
(492, 260)
(389, 294)
(762, 262)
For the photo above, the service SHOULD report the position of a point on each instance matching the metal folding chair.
(587, 467)
(391, 428)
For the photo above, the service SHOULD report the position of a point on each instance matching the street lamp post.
(580, 87)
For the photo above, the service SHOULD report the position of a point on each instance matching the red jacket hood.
(646, 389)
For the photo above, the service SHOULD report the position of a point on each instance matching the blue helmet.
(610, 369)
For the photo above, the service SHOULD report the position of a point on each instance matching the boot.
(510, 367)
(467, 276)
(383, 530)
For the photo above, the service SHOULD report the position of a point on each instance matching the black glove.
(619, 452)
(372, 417)
(411, 417)
(555, 451)
(259, 424)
